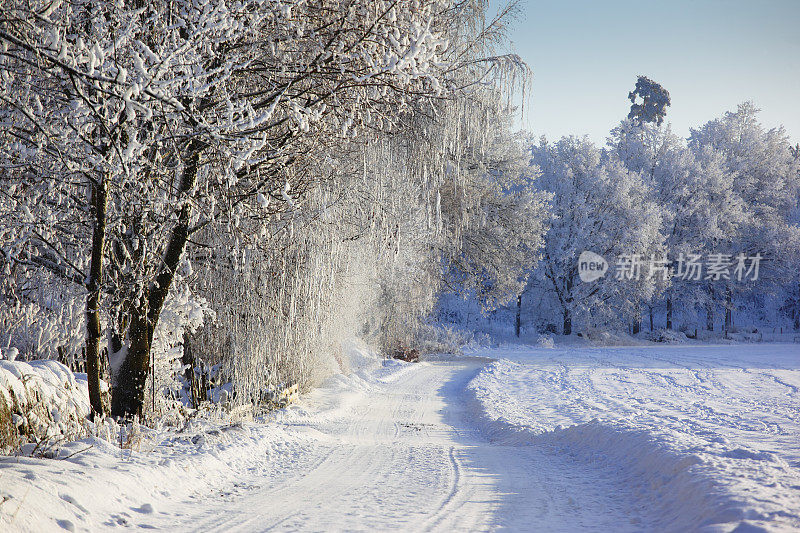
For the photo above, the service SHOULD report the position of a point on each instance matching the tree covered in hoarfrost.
(600, 206)
(731, 190)
(493, 219)
(139, 130)
(764, 180)
(363, 255)
(791, 304)
(695, 193)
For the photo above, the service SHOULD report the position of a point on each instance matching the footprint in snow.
(66, 524)
(741, 453)
(116, 520)
(69, 499)
(146, 508)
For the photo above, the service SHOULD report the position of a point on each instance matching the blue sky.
(709, 54)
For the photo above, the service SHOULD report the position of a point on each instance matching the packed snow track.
(407, 455)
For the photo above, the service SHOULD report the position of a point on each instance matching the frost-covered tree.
(791, 305)
(764, 181)
(490, 217)
(600, 206)
(695, 193)
(363, 253)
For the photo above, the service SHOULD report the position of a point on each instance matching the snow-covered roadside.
(93, 484)
(707, 436)
(390, 446)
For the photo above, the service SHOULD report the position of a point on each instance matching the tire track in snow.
(407, 455)
(449, 500)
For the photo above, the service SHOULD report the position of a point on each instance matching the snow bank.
(93, 484)
(40, 402)
(675, 494)
(706, 437)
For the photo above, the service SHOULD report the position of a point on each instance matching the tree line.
(694, 231)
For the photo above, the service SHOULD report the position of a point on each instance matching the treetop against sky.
(710, 55)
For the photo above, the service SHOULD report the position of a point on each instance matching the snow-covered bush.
(431, 338)
(44, 403)
(667, 336)
(9, 436)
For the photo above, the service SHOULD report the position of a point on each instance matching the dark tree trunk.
(566, 302)
(128, 399)
(518, 322)
(669, 311)
(797, 310)
(710, 309)
(115, 342)
(188, 361)
(728, 310)
(99, 199)
(636, 327)
(651, 318)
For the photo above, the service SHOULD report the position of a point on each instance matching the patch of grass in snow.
(9, 438)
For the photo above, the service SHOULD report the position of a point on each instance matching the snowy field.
(655, 438)
(702, 434)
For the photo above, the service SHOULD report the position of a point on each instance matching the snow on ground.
(684, 438)
(704, 434)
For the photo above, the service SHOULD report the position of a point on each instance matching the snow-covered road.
(574, 439)
(405, 453)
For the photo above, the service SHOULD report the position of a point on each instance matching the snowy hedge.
(41, 402)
